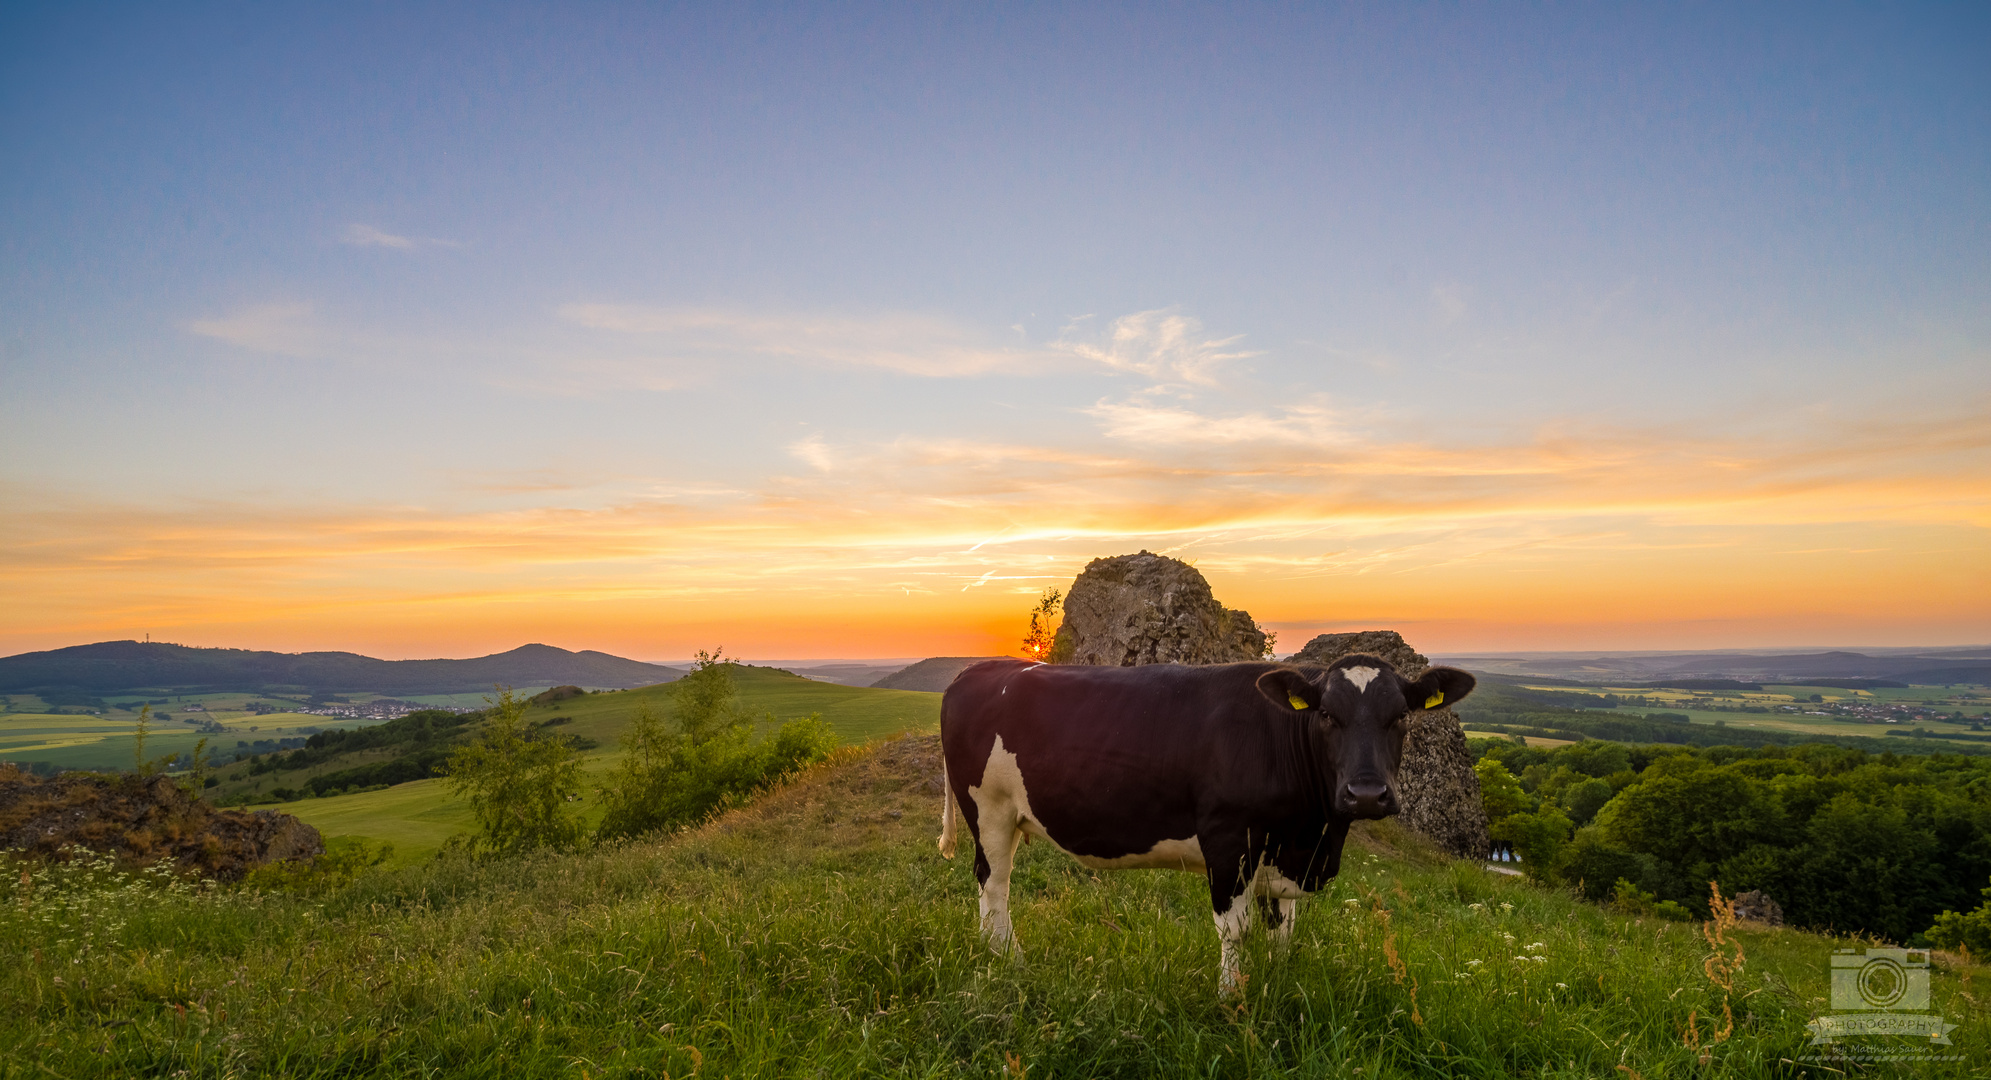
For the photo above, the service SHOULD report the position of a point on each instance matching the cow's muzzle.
(1372, 799)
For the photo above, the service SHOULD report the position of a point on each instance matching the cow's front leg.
(1233, 876)
(1275, 913)
(995, 857)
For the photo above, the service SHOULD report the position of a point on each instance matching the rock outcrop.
(1130, 610)
(1440, 790)
(144, 819)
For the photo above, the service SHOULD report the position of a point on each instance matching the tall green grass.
(816, 934)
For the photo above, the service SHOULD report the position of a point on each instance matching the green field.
(417, 817)
(1780, 699)
(414, 818)
(816, 933)
(76, 740)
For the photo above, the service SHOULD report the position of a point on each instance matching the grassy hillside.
(417, 817)
(818, 934)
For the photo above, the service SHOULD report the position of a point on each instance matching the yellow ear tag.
(1434, 700)
(1299, 703)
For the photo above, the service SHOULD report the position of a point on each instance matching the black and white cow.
(1250, 773)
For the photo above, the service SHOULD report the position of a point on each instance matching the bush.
(1968, 930)
(1629, 899)
(342, 861)
(670, 777)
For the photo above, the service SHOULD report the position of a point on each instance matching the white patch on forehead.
(1360, 676)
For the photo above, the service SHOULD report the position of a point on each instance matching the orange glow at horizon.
(1874, 536)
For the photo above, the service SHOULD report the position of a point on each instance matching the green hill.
(416, 817)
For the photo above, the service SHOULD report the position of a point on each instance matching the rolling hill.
(932, 674)
(110, 667)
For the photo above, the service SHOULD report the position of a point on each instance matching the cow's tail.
(946, 814)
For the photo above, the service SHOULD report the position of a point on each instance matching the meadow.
(817, 933)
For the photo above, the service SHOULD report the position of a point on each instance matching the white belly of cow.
(1166, 855)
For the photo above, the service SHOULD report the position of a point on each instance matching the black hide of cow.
(1249, 772)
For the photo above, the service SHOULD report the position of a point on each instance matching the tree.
(1499, 791)
(517, 781)
(139, 765)
(1538, 838)
(1037, 644)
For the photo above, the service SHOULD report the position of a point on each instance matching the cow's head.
(1359, 708)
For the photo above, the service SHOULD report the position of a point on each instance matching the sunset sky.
(431, 330)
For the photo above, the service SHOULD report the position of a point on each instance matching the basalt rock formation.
(1130, 610)
(1440, 790)
(143, 819)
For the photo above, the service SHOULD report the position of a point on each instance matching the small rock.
(1756, 906)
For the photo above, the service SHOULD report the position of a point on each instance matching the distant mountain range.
(1935, 667)
(110, 667)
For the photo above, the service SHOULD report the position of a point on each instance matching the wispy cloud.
(908, 344)
(1162, 344)
(1176, 426)
(360, 235)
(284, 329)
(814, 452)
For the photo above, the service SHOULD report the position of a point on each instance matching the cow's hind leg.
(995, 856)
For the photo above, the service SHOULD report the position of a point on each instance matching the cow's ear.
(1439, 687)
(1288, 689)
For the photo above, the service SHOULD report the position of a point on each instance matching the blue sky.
(795, 306)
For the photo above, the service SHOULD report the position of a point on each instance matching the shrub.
(342, 861)
(669, 777)
(1966, 930)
